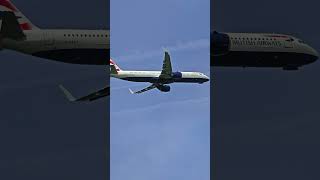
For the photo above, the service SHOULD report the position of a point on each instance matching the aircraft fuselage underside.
(262, 59)
(157, 80)
(76, 56)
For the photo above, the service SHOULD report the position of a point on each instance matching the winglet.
(69, 96)
(165, 49)
(131, 91)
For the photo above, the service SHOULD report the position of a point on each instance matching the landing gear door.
(289, 43)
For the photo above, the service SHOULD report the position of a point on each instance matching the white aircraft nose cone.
(206, 78)
(313, 53)
(316, 53)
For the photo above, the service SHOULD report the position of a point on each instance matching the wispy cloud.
(179, 46)
(161, 105)
(125, 87)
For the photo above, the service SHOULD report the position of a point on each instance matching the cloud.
(125, 87)
(179, 46)
(162, 140)
(161, 105)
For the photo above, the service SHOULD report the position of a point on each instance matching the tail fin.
(9, 26)
(114, 67)
(25, 23)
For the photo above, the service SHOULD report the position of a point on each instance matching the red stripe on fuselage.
(8, 5)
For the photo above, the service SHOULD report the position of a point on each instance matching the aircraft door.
(289, 43)
(47, 39)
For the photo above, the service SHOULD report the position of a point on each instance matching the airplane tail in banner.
(114, 67)
(9, 26)
(24, 23)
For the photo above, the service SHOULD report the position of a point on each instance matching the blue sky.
(160, 135)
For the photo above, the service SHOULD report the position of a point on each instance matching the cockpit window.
(290, 40)
(300, 41)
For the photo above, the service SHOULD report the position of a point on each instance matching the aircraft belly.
(190, 80)
(261, 59)
(142, 79)
(76, 56)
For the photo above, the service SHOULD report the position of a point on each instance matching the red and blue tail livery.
(25, 24)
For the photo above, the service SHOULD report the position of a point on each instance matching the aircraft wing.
(93, 96)
(143, 90)
(166, 72)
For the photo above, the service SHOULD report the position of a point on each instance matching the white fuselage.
(71, 46)
(268, 43)
(260, 50)
(153, 77)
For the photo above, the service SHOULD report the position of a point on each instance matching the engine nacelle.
(164, 88)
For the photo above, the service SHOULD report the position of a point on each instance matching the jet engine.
(163, 88)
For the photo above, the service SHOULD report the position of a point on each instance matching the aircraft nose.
(206, 78)
(314, 54)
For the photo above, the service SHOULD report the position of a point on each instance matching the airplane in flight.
(260, 50)
(65, 45)
(158, 79)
